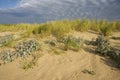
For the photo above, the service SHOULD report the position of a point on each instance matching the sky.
(8, 3)
(37, 11)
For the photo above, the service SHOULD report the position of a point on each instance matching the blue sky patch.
(8, 3)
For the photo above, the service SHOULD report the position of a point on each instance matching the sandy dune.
(66, 66)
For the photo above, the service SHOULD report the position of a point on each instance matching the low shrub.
(115, 55)
(104, 48)
(8, 56)
(72, 43)
(102, 45)
(22, 49)
(27, 47)
(5, 40)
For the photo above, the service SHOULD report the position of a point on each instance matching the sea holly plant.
(22, 49)
(25, 48)
(7, 56)
(102, 45)
(104, 48)
(4, 40)
(115, 55)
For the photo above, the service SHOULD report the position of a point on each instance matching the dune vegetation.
(60, 31)
(102, 26)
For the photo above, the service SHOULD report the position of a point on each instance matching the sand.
(66, 66)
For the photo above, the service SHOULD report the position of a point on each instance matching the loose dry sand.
(66, 66)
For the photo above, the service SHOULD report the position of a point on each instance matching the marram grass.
(60, 28)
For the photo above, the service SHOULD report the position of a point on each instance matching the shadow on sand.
(90, 48)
